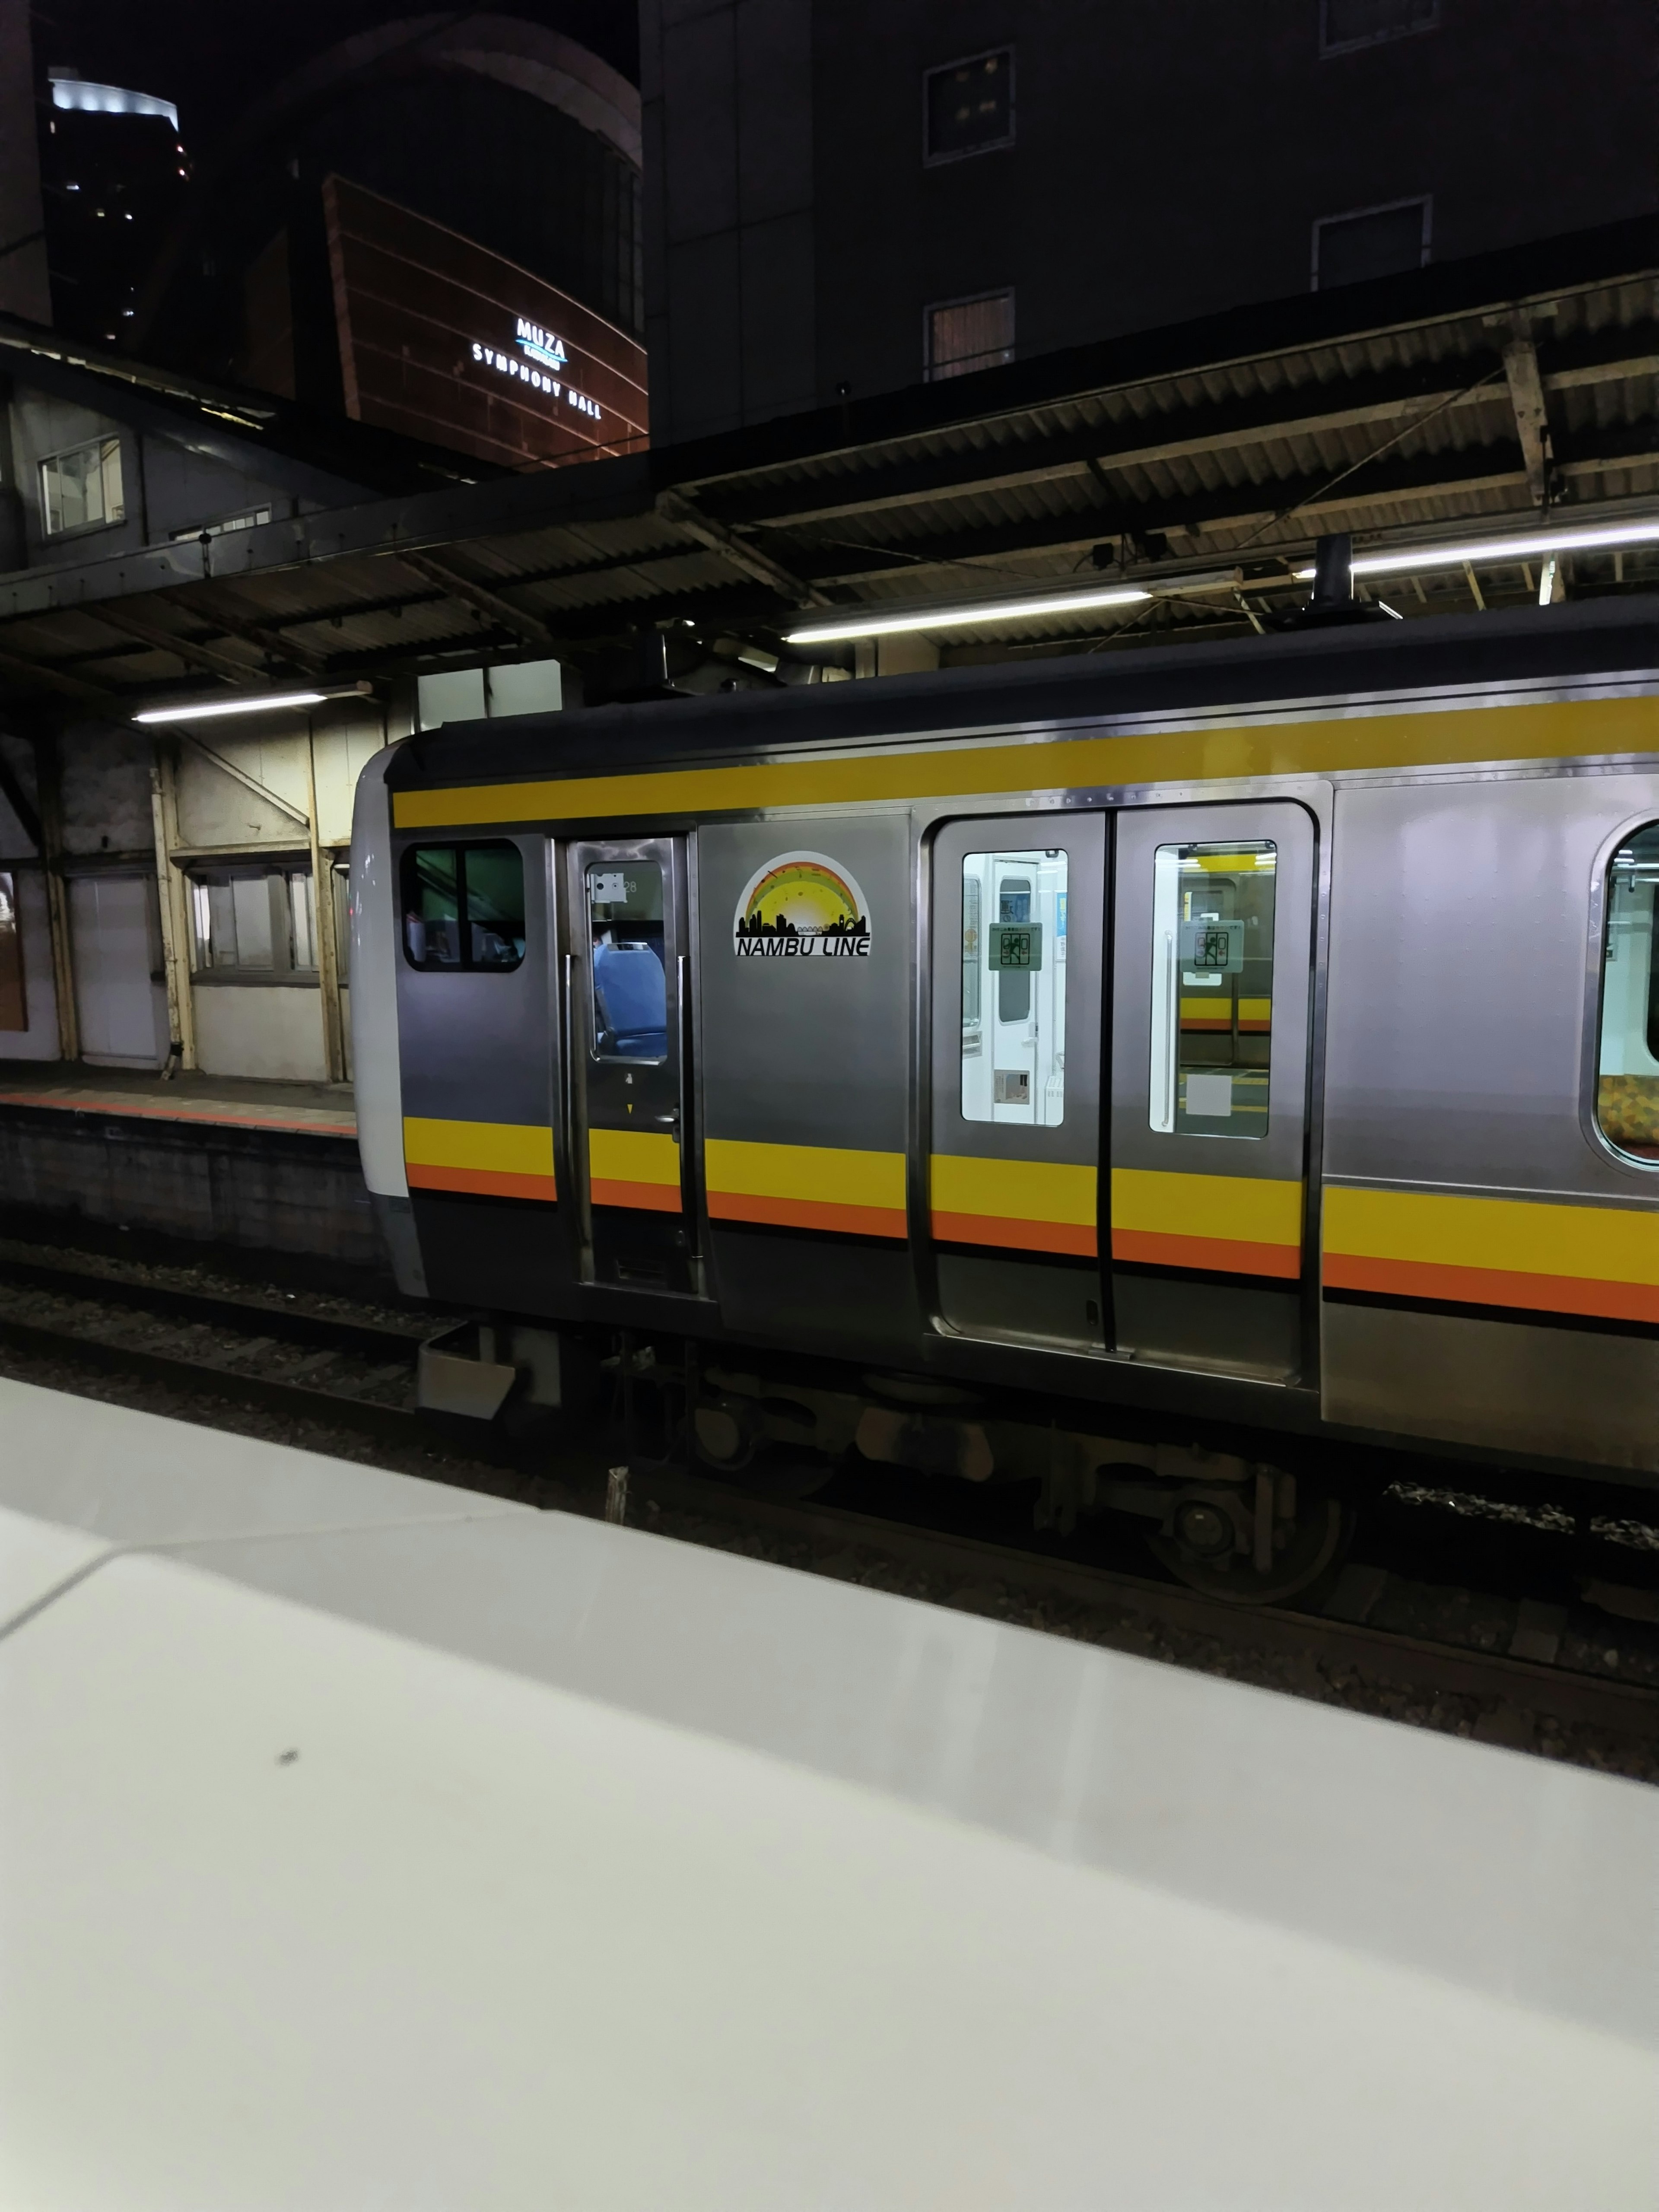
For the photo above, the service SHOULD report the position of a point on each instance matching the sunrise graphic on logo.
(801, 906)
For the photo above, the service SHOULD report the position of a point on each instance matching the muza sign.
(541, 366)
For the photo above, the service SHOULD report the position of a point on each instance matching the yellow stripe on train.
(491, 1159)
(825, 1188)
(1530, 730)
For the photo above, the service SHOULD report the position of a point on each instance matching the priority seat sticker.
(801, 906)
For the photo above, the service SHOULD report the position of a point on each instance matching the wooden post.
(322, 900)
(50, 801)
(173, 892)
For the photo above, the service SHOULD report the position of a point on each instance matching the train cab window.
(1013, 988)
(631, 983)
(463, 906)
(1627, 1077)
(1212, 988)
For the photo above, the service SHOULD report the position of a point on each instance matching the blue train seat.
(631, 992)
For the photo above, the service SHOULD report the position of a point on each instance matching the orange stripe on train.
(647, 1197)
(1212, 1255)
(1492, 1287)
(485, 1183)
(1070, 1237)
(821, 1214)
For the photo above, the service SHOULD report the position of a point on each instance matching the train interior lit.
(1013, 988)
(1627, 1090)
(630, 987)
(1212, 962)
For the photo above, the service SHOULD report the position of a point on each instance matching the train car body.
(1259, 1034)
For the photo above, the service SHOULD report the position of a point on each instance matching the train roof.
(1433, 655)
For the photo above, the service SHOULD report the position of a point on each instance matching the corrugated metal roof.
(1388, 411)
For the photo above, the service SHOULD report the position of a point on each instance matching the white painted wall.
(273, 1029)
(116, 936)
(39, 1040)
(349, 733)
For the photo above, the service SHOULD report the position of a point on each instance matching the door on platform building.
(1211, 993)
(1014, 1153)
(120, 992)
(625, 988)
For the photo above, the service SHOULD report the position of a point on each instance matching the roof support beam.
(675, 507)
(1532, 420)
(116, 615)
(479, 597)
(236, 623)
(42, 676)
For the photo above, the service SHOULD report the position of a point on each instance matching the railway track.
(307, 1356)
(299, 1354)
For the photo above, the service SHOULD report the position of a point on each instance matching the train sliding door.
(628, 1083)
(1013, 1175)
(1211, 946)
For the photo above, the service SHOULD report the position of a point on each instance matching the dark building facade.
(441, 339)
(114, 175)
(846, 197)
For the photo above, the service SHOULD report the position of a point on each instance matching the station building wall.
(232, 803)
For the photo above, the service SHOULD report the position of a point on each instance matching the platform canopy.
(1502, 396)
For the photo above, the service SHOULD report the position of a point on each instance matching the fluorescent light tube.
(1398, 561)
(203, 710)
(958, 617)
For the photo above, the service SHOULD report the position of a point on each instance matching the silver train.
(1138, 1076)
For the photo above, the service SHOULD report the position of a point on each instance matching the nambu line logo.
(801, 906)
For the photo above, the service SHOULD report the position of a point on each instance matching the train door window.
(463, 906)
(1212, 985)
(1627, 1077)
(1013, 988)
(631, 983)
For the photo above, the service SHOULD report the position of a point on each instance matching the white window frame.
(1329, 46)
(929, 371)
(931, 160)
(102, 447)
(1424, 200)
(280, 868)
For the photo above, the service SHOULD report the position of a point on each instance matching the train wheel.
(1200, 1551)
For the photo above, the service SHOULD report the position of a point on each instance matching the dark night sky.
(213, 57)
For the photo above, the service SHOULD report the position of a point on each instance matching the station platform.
(322, 1108)
(372, 1843)
(202, 1159)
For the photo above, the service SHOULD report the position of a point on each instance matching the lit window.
(463, 906)
(1013, 988)
(14, 1004)
(255, 517)
(1212, 989)
(1384, 241)
(1345, 25)
(631, 981)
(253, 921)
(960, 336)
(1627, 1079)
(968, 106)
(81, 489)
